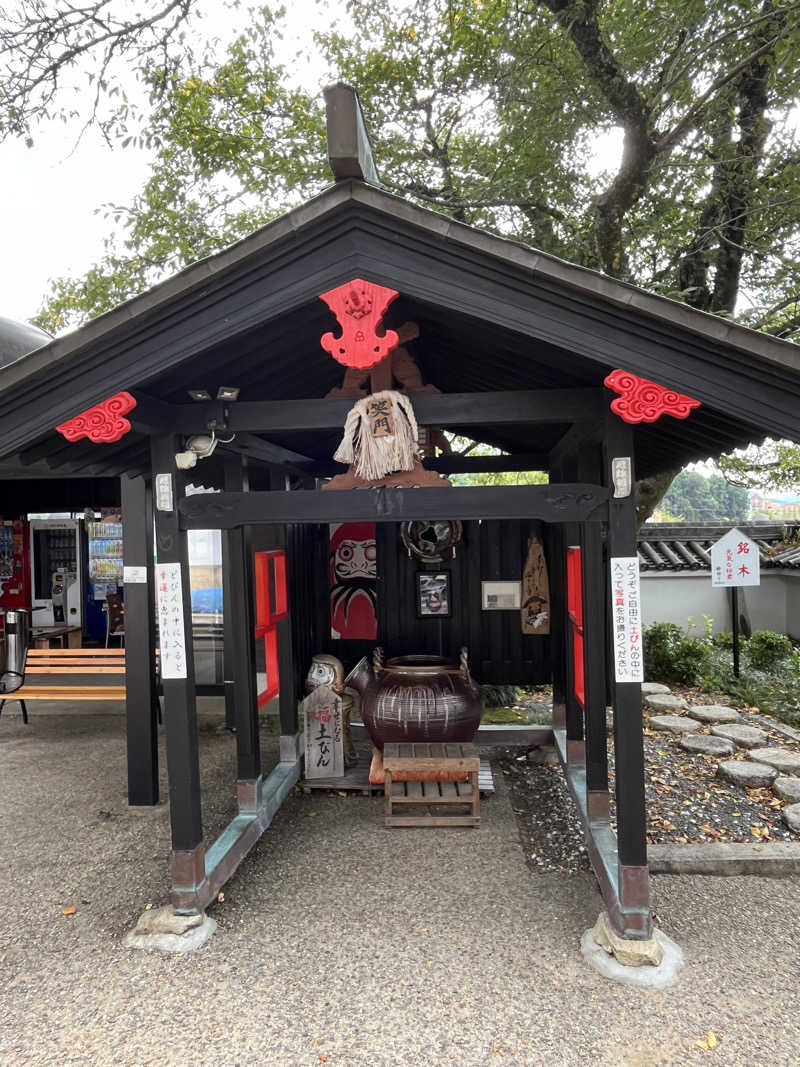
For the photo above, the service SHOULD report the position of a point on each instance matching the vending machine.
(56, 572)
(15, 574)
(104, 551)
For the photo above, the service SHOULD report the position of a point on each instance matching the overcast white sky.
(50, 193)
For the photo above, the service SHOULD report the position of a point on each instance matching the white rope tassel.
(374, 456)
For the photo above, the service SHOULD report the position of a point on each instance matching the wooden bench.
(67, 663)
(431, 774)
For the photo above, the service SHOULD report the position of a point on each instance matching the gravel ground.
(344, 943)
(687, 802)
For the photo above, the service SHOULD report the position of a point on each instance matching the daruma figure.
(352, 577)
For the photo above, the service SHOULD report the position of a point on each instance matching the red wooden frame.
(271, 607)
(575, 613)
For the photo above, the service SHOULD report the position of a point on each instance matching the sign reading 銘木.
(735, 560)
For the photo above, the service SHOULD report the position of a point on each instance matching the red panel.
(579, 686)
(575, 612)
(271, 596)
(359, 307)
(641, 400)
(574, 586)
(102, 424)
(271, 660)
(271, 607)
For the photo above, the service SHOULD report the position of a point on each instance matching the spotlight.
(199, 394)
(228, 392)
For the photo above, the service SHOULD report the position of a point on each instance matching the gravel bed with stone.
(714, 773)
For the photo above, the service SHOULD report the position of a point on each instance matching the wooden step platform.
(431, 775)
(356, 780)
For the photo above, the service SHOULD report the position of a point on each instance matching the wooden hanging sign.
(535, 609)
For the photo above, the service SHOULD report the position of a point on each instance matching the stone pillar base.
(162, 930)
(653, 963)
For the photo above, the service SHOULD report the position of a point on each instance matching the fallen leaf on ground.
(68, 911)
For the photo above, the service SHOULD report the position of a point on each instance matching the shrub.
(723, 640)
(765, 649)
(671, 656)
(499, 696)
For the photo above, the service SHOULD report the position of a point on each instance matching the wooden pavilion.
(567, 371)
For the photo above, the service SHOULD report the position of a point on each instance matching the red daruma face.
(354, 559)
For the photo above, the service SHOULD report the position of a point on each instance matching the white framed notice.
(501, 596)
(735, 560)
(134, 575)
(626, 612)
(170, 620)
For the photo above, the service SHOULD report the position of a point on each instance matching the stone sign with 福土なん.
(322, 712)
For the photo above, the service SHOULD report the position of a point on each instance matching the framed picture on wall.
(433, 594)
(501, 596)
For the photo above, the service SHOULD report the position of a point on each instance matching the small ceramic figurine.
(328, 670)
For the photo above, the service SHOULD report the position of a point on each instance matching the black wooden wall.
(499, 652)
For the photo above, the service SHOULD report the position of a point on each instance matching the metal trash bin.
(18, 633)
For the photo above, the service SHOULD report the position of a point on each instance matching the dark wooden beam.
(453, 464)
(574, 502)
(440, 409)
(254, 447)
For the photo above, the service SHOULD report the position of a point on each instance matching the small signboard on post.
(735, 561)
(322, 710)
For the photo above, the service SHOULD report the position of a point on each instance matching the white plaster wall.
(793, 605)
(774, 605)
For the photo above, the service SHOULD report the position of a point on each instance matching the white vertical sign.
(626, 612)
(170, 620)
(735, 560)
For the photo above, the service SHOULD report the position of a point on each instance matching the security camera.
(184, 461)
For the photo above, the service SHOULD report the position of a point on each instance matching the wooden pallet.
(435, 764)
(356, 780)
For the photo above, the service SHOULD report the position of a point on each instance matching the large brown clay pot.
(421, 698)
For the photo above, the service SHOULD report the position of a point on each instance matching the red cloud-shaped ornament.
(102, 424)
(641, 400)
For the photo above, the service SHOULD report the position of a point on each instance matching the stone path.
(765, 766)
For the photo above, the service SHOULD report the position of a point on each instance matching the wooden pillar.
(180, 706)
(141, 697)
(573, 713)
(558, 622)
(240, 636)
(232, 482)
(589, 468)
(627, 704)
(594, 660)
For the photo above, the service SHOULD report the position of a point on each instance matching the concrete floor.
(344, 943)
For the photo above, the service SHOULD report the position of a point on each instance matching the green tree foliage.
(693, 498)
(491, 111)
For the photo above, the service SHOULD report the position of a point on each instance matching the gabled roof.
(493, 314)
(676, 547)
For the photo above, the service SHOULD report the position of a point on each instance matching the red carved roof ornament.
(359, 307)
(641, 400)
(102, 424)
